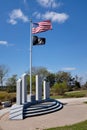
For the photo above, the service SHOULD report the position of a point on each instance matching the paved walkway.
(74, 111)
(3, 111)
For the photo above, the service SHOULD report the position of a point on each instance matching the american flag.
(41, 26)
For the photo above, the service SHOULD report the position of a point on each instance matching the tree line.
(60, 82)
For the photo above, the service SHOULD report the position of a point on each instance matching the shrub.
(59, 88)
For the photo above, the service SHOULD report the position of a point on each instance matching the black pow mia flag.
(38, 40)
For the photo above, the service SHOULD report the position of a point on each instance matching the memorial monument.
(40, 103)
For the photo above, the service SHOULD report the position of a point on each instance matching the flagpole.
(30, 57)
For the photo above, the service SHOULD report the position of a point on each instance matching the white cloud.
(53, 16)
(56, 17)
(37, 15)
(15, 15)
(4, 43)
(49, 3)
(69, 68)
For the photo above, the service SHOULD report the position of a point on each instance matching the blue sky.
(66, 44)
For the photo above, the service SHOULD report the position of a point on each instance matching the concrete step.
(43, 112)
(40, 109)
(40, 106)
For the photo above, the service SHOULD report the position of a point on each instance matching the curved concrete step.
(40, 106)
(43, 112)
(40, 109)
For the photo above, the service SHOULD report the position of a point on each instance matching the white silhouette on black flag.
(38, 40)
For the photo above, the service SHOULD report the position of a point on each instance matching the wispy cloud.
(25, 1)
(49, 3)
(68, 68)
(53, 16)
(26, 4)
(15, 15)
(5, 43)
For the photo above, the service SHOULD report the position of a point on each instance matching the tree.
(11, 83)
(51, 79)
(66, 77)
(74, 83)
(77, 82)
(85, 85)
(41, 71)
(62, 76)
(59, 88)
(3, 73)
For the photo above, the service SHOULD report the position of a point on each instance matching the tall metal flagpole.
(30, 57)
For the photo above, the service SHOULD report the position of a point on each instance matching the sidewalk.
(3, 111)
(74, 111)
(73, 100)
(63, 100)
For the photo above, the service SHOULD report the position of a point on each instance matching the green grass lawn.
(78, 126)
(72, 94)
(77, 94)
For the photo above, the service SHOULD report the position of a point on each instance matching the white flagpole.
(30, 57)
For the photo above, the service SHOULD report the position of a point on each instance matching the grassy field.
(5, 96)
(79, 126)
(81, 93)
(72, 94)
